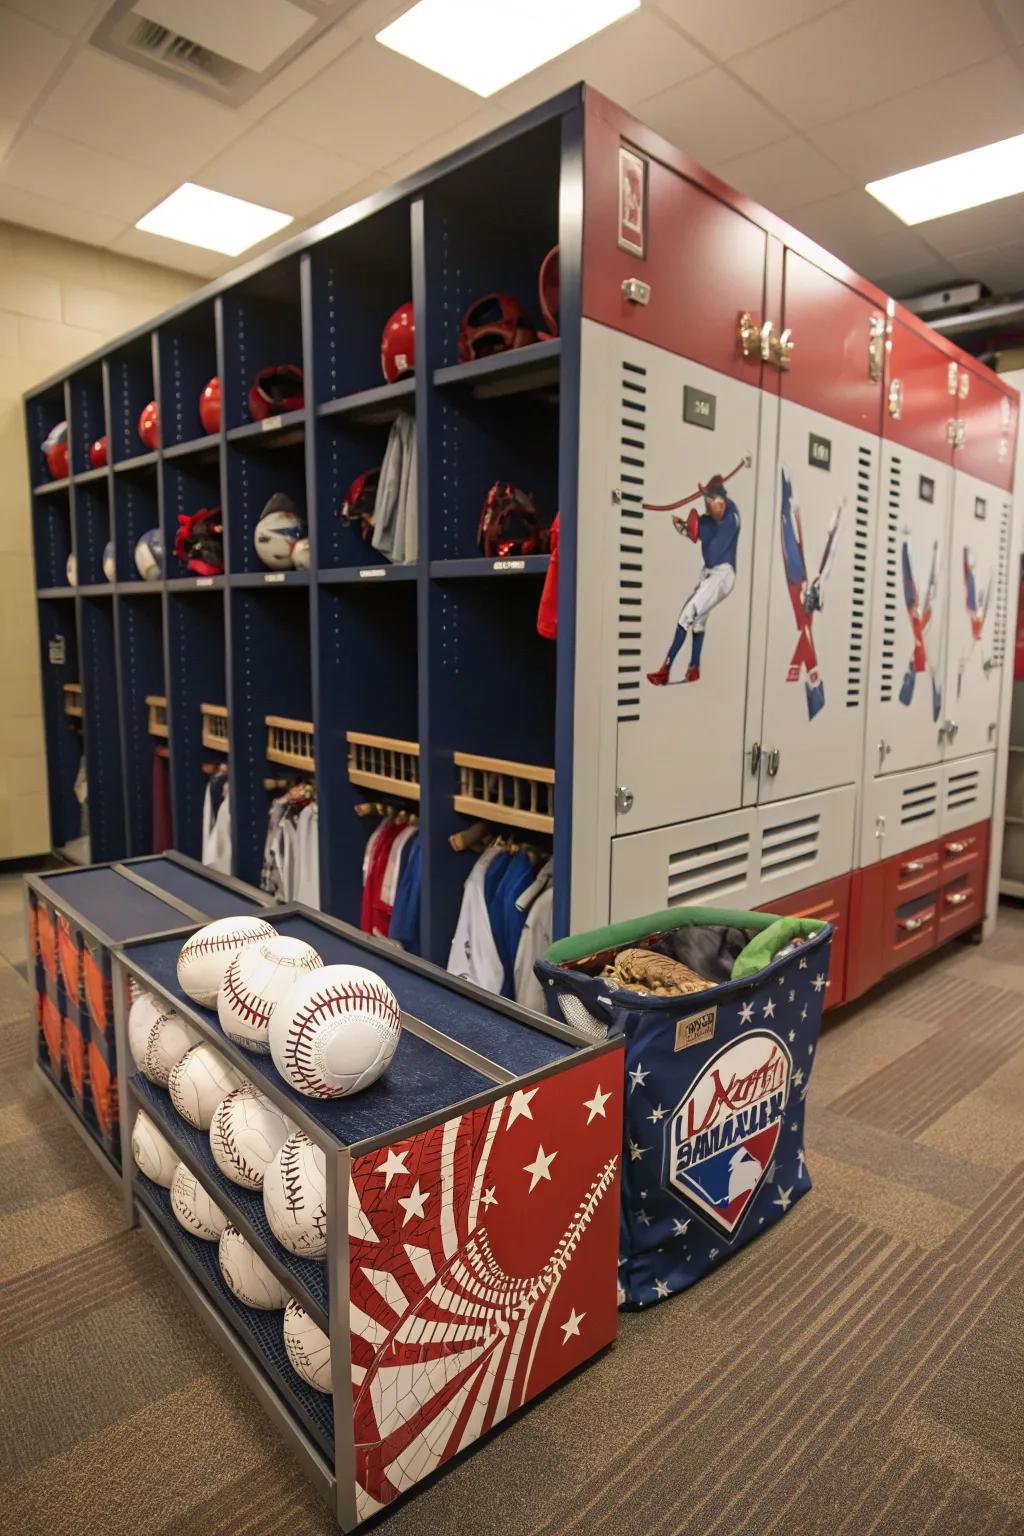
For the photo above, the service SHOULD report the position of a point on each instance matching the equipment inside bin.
(709, 949)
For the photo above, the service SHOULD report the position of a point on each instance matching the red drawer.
(962, 903)
(910, 930)
(908, 875)
(964, 852)
(828, 903)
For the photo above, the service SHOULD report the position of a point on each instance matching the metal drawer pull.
(957, 898)
(912, 924)
(955, 848)
(913, 867)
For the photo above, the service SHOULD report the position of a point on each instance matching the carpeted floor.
(857, 1372)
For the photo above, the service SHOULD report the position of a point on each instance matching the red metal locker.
(987, 414)
(837, 340)
(919, 404)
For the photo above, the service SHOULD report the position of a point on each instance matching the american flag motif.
(482, 1269)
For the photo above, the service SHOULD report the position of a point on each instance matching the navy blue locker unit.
(196, 674)
(141, 677)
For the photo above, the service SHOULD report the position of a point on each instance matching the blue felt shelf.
(140, 461)
(111, 904)
(200, 891)
(88, 475)
(196, 447)
(270, 579)
(52, 488)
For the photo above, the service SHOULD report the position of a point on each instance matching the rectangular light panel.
(196, 216)
(949, 186)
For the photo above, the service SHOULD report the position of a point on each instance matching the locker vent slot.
(1002, 569)
(698, 875)
(919, 802)
(890, 589)
(962, 789)
(632, 467)
(861, 528)
(790, 846)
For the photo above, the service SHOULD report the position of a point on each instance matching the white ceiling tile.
(128, 112)
(974, 106)
(369, 17)
(57, 218)
(784, 175)
(268, 166)
(310, 63)
(998, 223)
(169, 253)
(375, 182)
(713, 117)
(629, 61)
(71, 17)
(29, 57)
(8, 128)
(862, 233)
(903, 277)
(728, 29)
(867, 51)
(1000, 268)
(82, 177)
(474, 127)
(372, 106)
(1011, 15)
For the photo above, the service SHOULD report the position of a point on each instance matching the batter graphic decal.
(920, 616)
(721, 1139)
(717, 530)
(977, 600)
(806, 596)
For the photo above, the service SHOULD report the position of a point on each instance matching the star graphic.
(792, 995)
(769, 1009)
(810, 1049)
(636, 1151)
(792, 1036)
(746, 1013)
(798, 1078)
(781, 980)
(679, 1227)
(760, 1221)
(638, 1076)
(713, 1254)
(643, 1218)
(793, 1125)
(661, 1290)
(803, 1013)
(785, 1199)
(571, 1327)
(489, 1197)
(596, 1105)
(519, 1104)
(413, 1204)
(800, 1163)
(656, 1114)
(393, 1164)
(819, 981)
(540, 1168)
(803, 964)
(643, 1196)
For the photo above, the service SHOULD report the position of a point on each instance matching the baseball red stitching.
(197, 945)
(298, 1052)
(248, 1003)
(225, 1136)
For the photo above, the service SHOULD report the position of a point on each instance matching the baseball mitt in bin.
(721, 1012)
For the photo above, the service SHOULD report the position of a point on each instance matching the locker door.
(920, 395)
(826, 487)
(987, 418)
(976, 604)
(675, 425)
(906, 690)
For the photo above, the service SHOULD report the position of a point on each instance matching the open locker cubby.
(130, 386)
(196, 676)
(87, 419)
(188, 361)
(262, 323)
(102, 727)
(361, 275)
(189, 485)
(257, 468)
(42, 413)
(368, 685)
(140, 641)
(51, 526)
(92, 530)
(269, 659)
(136, 511)
(64, 733)
(347, 447)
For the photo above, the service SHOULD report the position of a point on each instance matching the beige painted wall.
(58, 301)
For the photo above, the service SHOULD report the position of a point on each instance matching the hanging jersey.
(405, 915)
(306, 883)
(474, 954)
(536, 938)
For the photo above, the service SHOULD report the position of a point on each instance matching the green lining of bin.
(762, 949)
(771, 933)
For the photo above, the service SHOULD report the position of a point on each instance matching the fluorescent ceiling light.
(948, 186)
(486, 44)
(196, 216)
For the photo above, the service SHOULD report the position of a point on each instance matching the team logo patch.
(721, 1139)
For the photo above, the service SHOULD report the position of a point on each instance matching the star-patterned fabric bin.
(713, 1146)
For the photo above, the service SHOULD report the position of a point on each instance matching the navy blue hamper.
(713, 1150)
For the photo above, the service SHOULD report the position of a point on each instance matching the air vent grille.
(858, 609)
(708, 872)
(962, 788)
(919, 801)
(1002, 569)
(632, 468)
(890, 586)
(181, 53)
(790, 846)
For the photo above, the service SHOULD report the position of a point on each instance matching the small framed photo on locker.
(632, 201)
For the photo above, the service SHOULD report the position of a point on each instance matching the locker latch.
(772, 761)
(623, 800)
(755, 757)
(989, 665)
(878, 329)
(949, 730)
(782, 349)
(883, 752)
(636, 291)
(951, 379)
(754, 340)
(896, 398)
(956, 431)
(993, 728)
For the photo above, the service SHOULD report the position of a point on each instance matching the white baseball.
(338, 1032)
(300, 555)
(309, 1348)
(295, 1196)
(245, 1133)
(255, 982)
(205, 956)
(158, 1037)
(201, 1079)
(246, 1274)
(154, 1156)
(194, 1208)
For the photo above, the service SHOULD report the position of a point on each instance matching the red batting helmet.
(360, 500)
(547, 291)
(276, 389)
(98, 453)
(509, 524)
(149, 425)
(209, 406)
(398, 344)
(495, 323)
(55, 450)
(200, 541)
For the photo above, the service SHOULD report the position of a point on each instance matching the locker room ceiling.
(796, 102)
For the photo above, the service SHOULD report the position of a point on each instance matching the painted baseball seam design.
(225, 1137)
(298, 1052)
(235, 1282)
(185, 1188)
(198, 945)
(291, 1173)
(293, 962)
(249, 1004)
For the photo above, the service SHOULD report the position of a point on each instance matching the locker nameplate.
(372, 572)
(204, 581)
(58, 651)
(508, 565)
(696, 1029)
(926, 488)
(698, 407)
(274, 576)
(819, 451)
(980, 508)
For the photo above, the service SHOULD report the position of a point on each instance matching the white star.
(393, 1164)
(781, 980)
(539, 1168)
(798, 1078)
(643, 1196)
(800, 1163)
(713, 1254)
(803, 1013)
(519, 1104)
(769, 1009)
(638, 1076)
(760, 1221)
(596, 1105)
(656, 1114)
(413, 1204)
(792, 1036)
(819, 981)
(793, 1125)
(571, 1326)
(643, 1218)
(785, 1199)
(792, 995)
(489, 1197)
(635, 1150)
(803, 964)
(679, 1227)
(746, 1013)
(810, 1049)
(661, 1289)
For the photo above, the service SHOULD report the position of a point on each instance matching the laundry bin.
(716, 1075)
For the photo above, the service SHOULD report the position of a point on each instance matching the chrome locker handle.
(957, 898)
(913, 867)
(755, 757)
(773, 760)
(955, 848)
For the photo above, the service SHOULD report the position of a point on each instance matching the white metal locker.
(901, 811)
(906, 706)
(968, 786)
(815, 679)
(976, 604)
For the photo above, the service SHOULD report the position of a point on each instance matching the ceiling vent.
(228, 51)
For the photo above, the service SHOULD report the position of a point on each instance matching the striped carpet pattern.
(859, 1371)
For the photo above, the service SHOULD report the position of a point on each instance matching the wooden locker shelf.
(290, 743)
(384, 763)
(156, 723)
(73, 700)
(215, 726)
(514, 794)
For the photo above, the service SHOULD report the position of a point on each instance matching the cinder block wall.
(58, 301)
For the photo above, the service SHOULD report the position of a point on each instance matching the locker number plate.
(819, 451)
(698, 407)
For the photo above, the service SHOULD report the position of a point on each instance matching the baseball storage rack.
(472, 1220)
(775, 671)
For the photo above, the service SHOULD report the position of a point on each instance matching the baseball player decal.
(920, 616)
(717, 530)
(977, 601)
(806, 596)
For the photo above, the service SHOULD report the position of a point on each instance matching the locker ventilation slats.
(919, 801)
(790, 846)
(861, 528)
(632, 464)
(999, 616)
(962, 788)
(698, 875)
(890, 594)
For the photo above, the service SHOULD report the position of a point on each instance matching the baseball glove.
(690, 525)
(644, 971)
